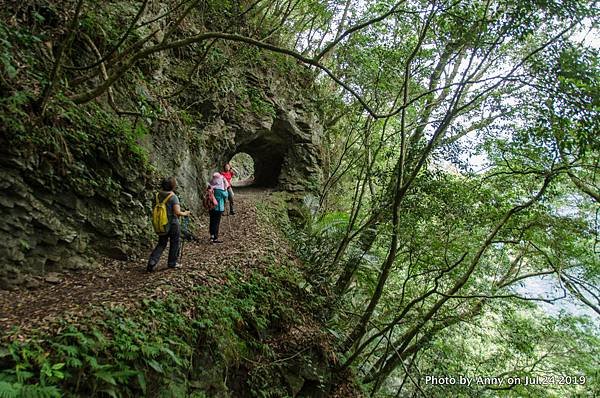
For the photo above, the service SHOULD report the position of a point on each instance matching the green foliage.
(6, 55)
(511, 343)
(12, 113)
(314, 234)
(237, 319)
(17, 390)
(119, 355)
(110, 21)
(258, 104)
(78, 146)
(540, 122)
(153, 352)
(16, 57)
(243, 165)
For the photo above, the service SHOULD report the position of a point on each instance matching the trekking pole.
(182, 234)
(181, 248)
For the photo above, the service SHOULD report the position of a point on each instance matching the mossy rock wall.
(79, 180)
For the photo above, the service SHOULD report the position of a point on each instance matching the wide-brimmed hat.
(216, 180)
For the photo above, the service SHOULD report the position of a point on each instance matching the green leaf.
(175, 358)
(156, 366)
(58, 366)
(8, 390)
(107, 377)
(142, 381)
(111, 391)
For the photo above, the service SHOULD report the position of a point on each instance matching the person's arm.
(177, 211)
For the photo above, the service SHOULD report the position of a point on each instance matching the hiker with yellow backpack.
(166, 223)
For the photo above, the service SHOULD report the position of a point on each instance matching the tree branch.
(116, 46)
(41, 103)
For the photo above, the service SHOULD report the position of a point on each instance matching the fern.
(331, 224)
(37, 391)
(111, 392)
(8, 390)
(106, 376)
(151, 351)
(69, 350)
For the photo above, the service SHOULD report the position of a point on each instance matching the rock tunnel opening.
(268, 158)
(243, 164)
(267, 170)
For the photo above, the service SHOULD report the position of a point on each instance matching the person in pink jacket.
(228, 173)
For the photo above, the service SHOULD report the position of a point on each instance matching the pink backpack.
(209, 201)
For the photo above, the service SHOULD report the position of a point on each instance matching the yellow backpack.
(160, 218)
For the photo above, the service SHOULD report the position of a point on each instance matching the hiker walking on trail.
(218, 187)
(166, 223)
(228, 173)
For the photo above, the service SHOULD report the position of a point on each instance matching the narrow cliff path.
(126, 283)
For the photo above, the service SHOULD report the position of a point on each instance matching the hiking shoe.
(216, 241)
(176, 265)
(150, 267)
(231, 212)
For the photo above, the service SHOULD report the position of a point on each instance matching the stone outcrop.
(47, 230)
(52, 224)
(284, 143)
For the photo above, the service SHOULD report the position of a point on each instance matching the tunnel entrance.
(268, 153)
(286, 150)
(267, 170)
(243, 164)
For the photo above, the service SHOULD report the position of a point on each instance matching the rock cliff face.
(46, 229)
(284, 144)
(83, 193)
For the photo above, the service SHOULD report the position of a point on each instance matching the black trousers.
(230, 198)
(215, 220)
(173, 237)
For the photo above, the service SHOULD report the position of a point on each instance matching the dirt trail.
(127, 283)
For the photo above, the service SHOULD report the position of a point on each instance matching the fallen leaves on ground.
(71, 296)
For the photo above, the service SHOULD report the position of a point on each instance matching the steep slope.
(235, 320)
